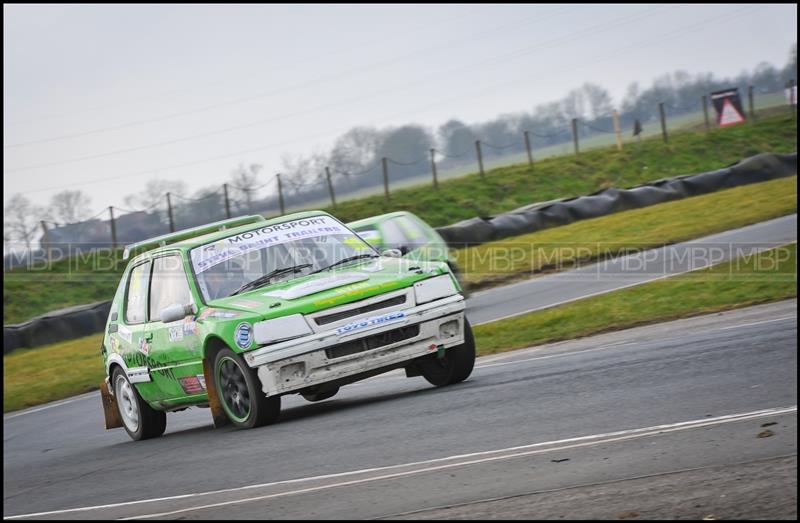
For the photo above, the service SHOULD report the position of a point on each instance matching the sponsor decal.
(189, 327)
(355, 289)
(368, 322)
(144, 346)
(176, 333)
(244, 335)
(114, 343)
(233, 246)
(192, 384)
(202, 379)
(125, 333)
(250, 304)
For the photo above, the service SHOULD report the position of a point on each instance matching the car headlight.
(434, 288)
(270, 331)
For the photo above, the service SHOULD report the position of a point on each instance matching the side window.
(370, 235)
(135, 307)
(393, 235)
(415, 233)
(168, 285)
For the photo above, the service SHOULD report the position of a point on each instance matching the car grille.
(336, 316)
(372, 342)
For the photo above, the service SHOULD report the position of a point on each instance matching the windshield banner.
(207, 256)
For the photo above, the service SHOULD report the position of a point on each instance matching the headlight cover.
(434, 288)
(270, 331)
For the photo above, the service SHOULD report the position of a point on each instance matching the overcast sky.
(145, 91)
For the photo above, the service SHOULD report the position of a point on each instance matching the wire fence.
(115, 226)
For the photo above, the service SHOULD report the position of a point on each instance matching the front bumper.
(304, 362)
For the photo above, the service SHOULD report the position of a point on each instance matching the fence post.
(433, 169)
(330, 186)
(528, 148)
(280, 193)
(663, 122)
(169, 213)
(227, 201)
(575, 134)
(617, 129)
(385, 178)
(480, 157)
(44, 241)
(752, 107)
(705, 112)
(113, 228)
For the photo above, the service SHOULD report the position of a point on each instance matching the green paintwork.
(422, 240)
(176, 350)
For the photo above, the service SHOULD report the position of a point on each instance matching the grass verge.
(35, 376)
(769, 276)
(565, 247)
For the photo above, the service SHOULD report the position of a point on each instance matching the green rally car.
(235, 314)
(406, 232)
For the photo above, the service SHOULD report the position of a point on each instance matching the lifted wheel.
(454, 365)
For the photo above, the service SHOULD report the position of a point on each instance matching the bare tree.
(300, 171)
(154, 191)
(599, 100)
(355, 150)
(69, 206)
(20, 219)
(245, 181)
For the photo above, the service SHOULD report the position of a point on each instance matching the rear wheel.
(239, 392)
(454, 365)
(140, 420)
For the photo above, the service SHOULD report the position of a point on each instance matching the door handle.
(148, 336)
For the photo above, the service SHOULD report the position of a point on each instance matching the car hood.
(315, 292)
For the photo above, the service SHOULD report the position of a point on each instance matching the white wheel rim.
(126, 401)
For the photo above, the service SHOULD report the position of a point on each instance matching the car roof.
(373, 220)
(185, 245)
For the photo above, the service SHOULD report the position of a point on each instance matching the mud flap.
(217, 413)
(110, 409)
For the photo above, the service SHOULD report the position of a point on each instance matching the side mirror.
(392, 253)
(174, 312)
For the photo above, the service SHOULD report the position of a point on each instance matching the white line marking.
(31, 411)
(757, 323)
(526, 449)
(654, 432)
(554, 355)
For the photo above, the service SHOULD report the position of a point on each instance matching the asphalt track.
(614, 424)
(623, 271)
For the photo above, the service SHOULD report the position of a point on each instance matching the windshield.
(299, 246)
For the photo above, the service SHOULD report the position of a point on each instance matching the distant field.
(94, 278)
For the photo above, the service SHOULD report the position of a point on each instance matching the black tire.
(454, 366)
(239, 392)
(319, 396)
(139, 419)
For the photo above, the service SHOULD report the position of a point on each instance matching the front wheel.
(140, 420)
(455, 364)
(239, 392)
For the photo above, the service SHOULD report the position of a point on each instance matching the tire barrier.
(60, 325)
(531, 218)
(82, 320)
